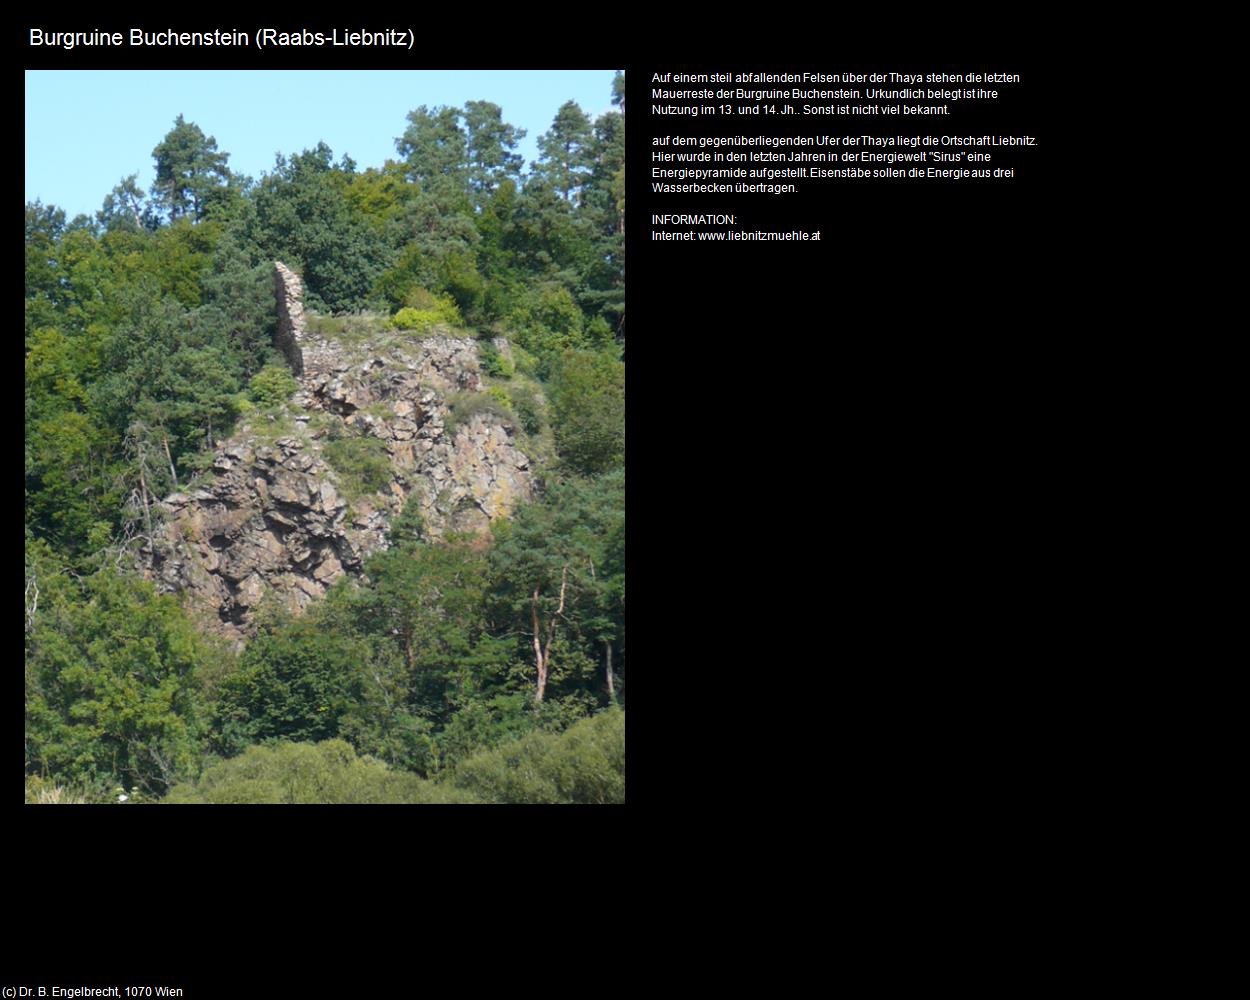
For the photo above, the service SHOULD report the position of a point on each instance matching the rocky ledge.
(277, 518)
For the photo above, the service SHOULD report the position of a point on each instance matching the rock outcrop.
(283, 513)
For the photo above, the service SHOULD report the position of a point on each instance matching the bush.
(584, 764)
(328, 772)
(528, 405)
(47, 792)
(466, 405)
(439, 310)
(588, 406)
(495, 392)
(494, 363)
(547, 322)
(483, 725)
(293, 683)
(526, 363)
(272, 386)
(363, 463)
(599, 333)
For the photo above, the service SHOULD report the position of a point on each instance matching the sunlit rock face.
(274, 516)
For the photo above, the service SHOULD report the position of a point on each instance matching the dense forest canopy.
(148, 332)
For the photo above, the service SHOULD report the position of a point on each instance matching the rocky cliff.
(299, 497)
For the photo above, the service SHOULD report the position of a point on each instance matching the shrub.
(494, 363)
(439, 310)
(585, 764)
(293, 683)
(362, 462)
(466, 405)
(599, 333)
(547, 322)
(40, 791)
(483, 725)
(328, 772)
(272, 386)
(588, 406)
(527, 404)
(495, 392)
(526, 363)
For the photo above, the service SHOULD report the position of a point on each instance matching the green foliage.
(408, 529)
(329, 772)
(293, 682)
(491, 142)
(567, 149)
(499, 394)
(585, 764)
(560, 564)
(239, 305)
(528, 404)
(464, 406)
(547, 322)
(111, 684)
(301, 215)
(434, 148)
(483, 724)
(363, 464)
(493, 362)
(149, 329)
(272, 386)
(191, 175)
(588, 410)
(441, 311)
(438, 251)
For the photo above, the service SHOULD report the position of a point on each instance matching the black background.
(832, 495)
(838, 449)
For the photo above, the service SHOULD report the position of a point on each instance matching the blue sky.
(85, 130)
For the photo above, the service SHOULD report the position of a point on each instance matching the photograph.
(324, 436)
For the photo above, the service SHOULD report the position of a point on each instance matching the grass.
(351, 330)
(363, 464)
(42, 792)
(263, 430)
(464, 406)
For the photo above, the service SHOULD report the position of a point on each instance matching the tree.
(435, 152)
(44, 293)
(112, 687)
(239, 305)
(125, 208)
(294, 682)
(303, 217)
(428, 599)
(544, 566)
(191, 175)
(566, 150)
(490, 146)
(588, 407)
(161, 373)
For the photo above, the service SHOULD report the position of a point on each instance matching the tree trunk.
(540, 659)
(542, 651)
(172, 473)
(607, 648)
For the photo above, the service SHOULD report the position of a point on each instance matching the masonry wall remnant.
(290, 294)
